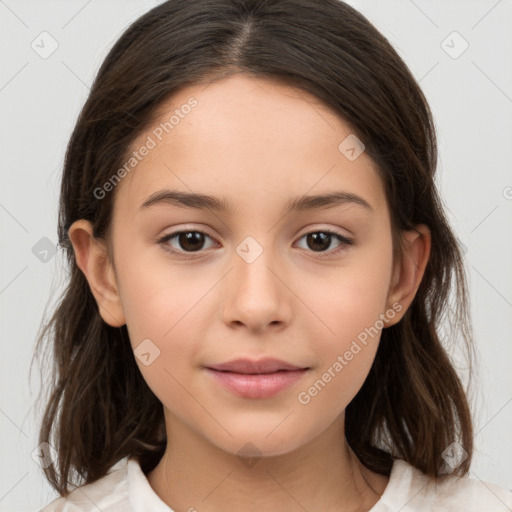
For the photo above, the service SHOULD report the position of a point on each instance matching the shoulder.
(108, 494)
(411, 490)
(124, 488)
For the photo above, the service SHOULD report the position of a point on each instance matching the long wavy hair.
(97, 407)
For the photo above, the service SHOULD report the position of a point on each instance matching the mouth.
(256, 379)
(252, 367)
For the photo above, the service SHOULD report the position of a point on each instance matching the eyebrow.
(204, 201)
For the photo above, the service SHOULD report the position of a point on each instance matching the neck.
(324, 475)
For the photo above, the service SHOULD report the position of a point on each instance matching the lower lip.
(257, 385)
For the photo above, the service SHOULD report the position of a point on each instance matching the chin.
(254, 443)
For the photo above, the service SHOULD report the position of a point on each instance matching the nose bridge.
(253, 262)
(255, 296)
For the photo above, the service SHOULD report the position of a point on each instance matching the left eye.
(193, 241)
(319, 240)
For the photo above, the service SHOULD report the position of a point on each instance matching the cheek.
(158, 318)
(344, 357)
(351, 305)
(166, 303)
(352, 298)
(159, 302)
(157, 295)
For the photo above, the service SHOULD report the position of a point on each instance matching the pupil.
(189, 240)
(319, 240)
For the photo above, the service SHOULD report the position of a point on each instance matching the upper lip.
(249, 366)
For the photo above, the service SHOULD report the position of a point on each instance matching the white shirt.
(126, 489)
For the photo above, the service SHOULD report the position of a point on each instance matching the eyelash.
(344, 242)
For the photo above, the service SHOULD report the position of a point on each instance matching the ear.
(408, 272)
(91, 256)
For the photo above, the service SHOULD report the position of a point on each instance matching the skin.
(256, 143)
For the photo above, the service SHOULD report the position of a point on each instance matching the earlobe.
(410, 270)
(91, 256)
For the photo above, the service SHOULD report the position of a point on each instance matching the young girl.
(292, 360)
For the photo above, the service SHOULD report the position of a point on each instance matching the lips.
(248, 366)
(256, 379)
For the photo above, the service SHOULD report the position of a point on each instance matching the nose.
(256, 293)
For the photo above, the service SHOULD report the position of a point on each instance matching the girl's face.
(250, 277)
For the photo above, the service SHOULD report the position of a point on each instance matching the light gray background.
(471, 98)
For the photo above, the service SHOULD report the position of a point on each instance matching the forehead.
(250, 141)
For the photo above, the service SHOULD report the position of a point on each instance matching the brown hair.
(412, 404)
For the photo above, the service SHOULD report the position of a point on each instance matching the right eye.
(191, 241)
